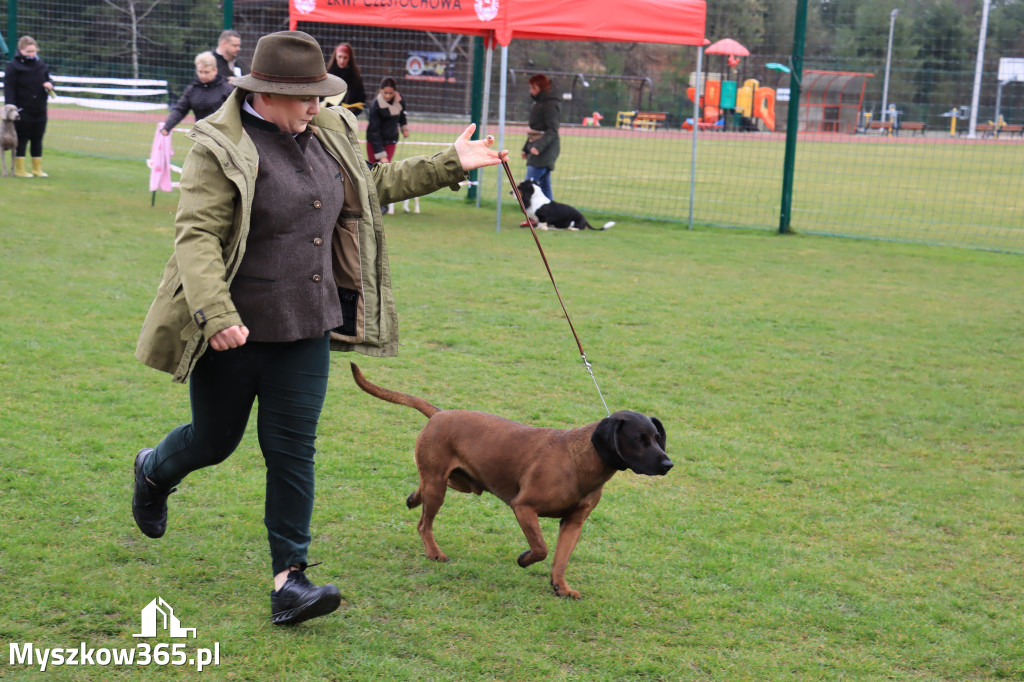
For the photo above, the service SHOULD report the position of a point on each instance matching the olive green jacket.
(212, 224)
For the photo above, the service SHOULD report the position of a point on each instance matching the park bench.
(913, 127)
(988, 129)
(649, 120)
(884, 126)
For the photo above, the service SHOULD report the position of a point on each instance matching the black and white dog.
(551, 214)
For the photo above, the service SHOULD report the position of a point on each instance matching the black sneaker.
(299, 600)
(149, 503)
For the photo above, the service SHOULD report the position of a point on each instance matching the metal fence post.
(793, 115)
(12, 26)
(476, 106)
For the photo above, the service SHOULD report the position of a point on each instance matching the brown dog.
(554, 473)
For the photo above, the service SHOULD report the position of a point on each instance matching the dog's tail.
(608, 224)
(393, 396)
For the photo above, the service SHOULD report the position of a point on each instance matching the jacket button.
(318, 242)
(317, 204)
(316, 278)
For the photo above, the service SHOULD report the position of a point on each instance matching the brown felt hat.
(290, 63)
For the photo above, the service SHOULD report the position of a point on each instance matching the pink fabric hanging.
(160, 162)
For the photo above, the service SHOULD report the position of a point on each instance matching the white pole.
(976, 95)
(696, 118)
(488, 65)
(888, 62)
(503, 80)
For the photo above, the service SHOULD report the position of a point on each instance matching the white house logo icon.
(486, 10)
(159, 613)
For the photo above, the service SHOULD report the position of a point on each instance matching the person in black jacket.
(387, 118)
(203, 96)
(27, 84)
(343, 65)
(229, 44)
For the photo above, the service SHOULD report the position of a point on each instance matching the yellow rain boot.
(19, 168)
(37, 167)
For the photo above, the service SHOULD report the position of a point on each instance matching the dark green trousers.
(290, 382)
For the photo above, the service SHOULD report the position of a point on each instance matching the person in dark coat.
(387, 118)
(229, 44)
(27, 84)
(343, 65)
(542, 142)
(203, 96)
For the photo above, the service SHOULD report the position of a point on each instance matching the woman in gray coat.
(279, 257)
(542, 142)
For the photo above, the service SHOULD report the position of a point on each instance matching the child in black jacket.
(387, 118)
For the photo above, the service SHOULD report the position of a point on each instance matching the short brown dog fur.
(554, 473)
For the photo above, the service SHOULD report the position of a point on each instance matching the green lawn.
(844, 417)
(936, 191)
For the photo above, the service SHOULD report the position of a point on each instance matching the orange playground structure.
(751, 101)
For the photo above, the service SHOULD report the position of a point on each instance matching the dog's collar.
(613, 462)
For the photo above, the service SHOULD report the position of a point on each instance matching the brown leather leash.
(583, 355)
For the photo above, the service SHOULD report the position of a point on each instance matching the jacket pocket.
(348, 278)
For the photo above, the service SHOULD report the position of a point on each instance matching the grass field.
(935, 190)
(844, 417)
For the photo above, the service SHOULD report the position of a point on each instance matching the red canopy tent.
(675, 22)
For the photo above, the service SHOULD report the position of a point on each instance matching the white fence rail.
(135, 94)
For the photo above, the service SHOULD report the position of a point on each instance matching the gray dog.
(8, 135)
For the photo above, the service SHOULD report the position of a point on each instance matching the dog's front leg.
(527, 517)
(569, 529)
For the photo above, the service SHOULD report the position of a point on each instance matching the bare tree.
(136, 12)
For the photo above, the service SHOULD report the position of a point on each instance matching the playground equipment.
(593, 120)
(764, 106)
(709, 107)
(961, 113)
(750, 102)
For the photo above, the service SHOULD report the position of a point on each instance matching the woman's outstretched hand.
(478, 153)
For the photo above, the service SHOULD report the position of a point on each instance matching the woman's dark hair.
(541, 81)
(388, 82)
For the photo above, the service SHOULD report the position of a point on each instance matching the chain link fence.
(883, 150)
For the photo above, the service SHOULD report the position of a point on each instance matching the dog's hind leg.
(527, 517)
(431, 494)
(569, 529)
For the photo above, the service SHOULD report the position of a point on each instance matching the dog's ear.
(605, 440)
(661, 431)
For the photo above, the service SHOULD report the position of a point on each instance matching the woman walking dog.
(27, 84)
(279, 258)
